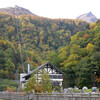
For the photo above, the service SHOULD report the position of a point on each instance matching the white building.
(56, 75)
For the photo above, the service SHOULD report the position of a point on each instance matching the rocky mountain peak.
(89, 14)
(88, 17)
(17, 10)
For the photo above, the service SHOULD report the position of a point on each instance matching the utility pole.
(94, 78)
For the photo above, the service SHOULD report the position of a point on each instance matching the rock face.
(88, 17)
(16, 11)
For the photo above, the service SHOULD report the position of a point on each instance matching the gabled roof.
(42, 67)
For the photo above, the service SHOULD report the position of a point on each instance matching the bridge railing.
(49, 96)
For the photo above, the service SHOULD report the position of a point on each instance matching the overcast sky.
(56, 8)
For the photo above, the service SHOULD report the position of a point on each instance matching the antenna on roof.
(28, 65)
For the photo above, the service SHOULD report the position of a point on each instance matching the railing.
(49, 96)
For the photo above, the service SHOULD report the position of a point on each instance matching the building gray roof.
(41, 66)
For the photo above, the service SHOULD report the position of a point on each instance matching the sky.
(56, 8)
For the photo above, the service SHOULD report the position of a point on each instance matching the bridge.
(49, 96)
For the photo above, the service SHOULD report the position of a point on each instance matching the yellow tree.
(89, 47)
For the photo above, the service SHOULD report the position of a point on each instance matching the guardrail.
(49, 96)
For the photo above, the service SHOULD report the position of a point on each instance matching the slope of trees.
(51, 40)
(41, 37)
(81, 58)
(44, 34)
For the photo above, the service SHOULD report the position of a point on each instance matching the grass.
(88, 90)
(2, 99)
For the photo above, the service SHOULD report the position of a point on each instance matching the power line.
(22, 40)
(19, 41)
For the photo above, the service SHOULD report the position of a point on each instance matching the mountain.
(38, 38)
(88, 17)
(64, 42)
(41, 36)
(16, 11)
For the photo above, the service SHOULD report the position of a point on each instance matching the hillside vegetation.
(41, 36)
(80, 59)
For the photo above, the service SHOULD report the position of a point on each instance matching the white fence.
(49, 96)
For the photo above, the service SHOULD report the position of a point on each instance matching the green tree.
(45, 82)
(42, 85)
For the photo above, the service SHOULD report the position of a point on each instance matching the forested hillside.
(41, 36)
(81, 58)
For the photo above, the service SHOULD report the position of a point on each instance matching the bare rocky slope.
(88, 17)
(17, 10)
